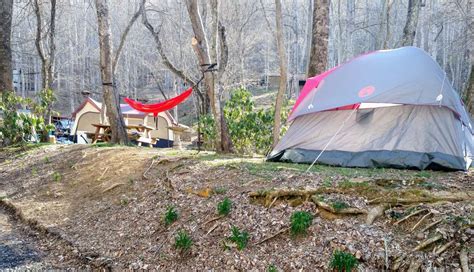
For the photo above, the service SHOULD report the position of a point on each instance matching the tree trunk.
(6, 11)
(469, 98)
(204, 55)
(283, 71)
(46, 54)
(320, 37)
(110, 95)
(409, 30)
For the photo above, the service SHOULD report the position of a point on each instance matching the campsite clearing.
(104, 207)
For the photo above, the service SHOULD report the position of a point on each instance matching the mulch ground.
(109, 203)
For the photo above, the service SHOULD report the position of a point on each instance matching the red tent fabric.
(159, 107)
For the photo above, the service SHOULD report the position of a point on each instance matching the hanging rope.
(330, 140)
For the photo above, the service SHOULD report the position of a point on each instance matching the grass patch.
(224, 207)
(300, 222)
(57, 177)
(102, 144)
(183, 241)
(240, 238)
(339, 205)
(423, 174)
(346, 184)
(171, 215)
(219, 190)
(343, 261)
(431, 185)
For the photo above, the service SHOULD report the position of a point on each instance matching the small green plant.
(346, 184)
(46, 159)
(219, 190)
(423, 174)
(300, 222)
(343, 261)
(339, 205)
(223, 207)
(272, 268)
(171, 215)
(183, 241)
(239, 237)
(57, 176)
(124, 201)
(327, 182)
(34, 171)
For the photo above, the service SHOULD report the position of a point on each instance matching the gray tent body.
(411, 117)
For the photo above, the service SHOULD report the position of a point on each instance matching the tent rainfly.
(389, 108)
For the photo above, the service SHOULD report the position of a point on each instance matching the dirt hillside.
(107, 204)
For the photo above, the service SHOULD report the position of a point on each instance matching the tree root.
(410, 215)
(327, 207)
(463, 260)
(426, 199)
(443, 248)
(427, 242)
(421, 221)
(432, 225)
(415, 265)
(375, 212)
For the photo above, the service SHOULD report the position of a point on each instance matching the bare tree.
(409, 30)
(6, 10)
(46, 54)
(110, 95)
(283, 71)
(207, 54)
(320, 36)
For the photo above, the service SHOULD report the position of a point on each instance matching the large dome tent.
(389, 108)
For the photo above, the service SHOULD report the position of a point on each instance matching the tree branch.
(159, 47)
(123, 38)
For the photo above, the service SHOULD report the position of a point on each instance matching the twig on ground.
(213, 228)
(273, 202)
(273, 236)
(148, 169)
(444, 247)
(415, 265)
(410, 215)
(463, 260)
(112, 187)
(428, 242)
(432, 225)
(421, 221)
(212, 220)
(103, 173)
(385, 245)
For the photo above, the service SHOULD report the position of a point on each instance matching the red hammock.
(159, 107)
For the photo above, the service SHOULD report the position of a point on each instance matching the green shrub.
(223, 207)
(20, 127)
(240, 238)
(251, 129)
(171, 215)
(182, 241)
(343, 261)
(300, 222)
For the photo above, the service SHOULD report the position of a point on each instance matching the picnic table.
(140, 133)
